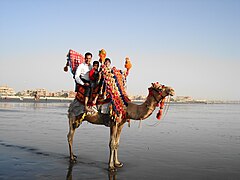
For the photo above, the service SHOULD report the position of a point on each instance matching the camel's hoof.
(73, 159)
(112, 169)
(119, 165)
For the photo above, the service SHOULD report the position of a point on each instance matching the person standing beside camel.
(82, 78)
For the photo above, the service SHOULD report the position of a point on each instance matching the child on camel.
(94, 77)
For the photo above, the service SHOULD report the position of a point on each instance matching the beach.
(193, 141)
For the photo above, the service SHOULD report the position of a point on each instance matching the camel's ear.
(153, 85)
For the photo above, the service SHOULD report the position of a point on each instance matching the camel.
(157, 93)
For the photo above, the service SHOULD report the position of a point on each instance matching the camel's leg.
(117, 163)
(112, 145)
(70, 137)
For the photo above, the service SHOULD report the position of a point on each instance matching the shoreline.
(31, 99)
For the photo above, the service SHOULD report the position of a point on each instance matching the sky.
(190, 45)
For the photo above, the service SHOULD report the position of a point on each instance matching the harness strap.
(160, 102)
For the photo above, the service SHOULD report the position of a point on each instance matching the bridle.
(159, 92)
(160, 102)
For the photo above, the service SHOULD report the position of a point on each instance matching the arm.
(77, 75)
(91, 74)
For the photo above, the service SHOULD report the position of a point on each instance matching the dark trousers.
(87, 91)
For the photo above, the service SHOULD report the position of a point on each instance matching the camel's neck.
(143, 111)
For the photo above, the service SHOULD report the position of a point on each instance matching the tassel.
(128, 120)
(160, 111)
(159, 114)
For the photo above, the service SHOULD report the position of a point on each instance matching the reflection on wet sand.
(69, 173)
(111, 175)
(193, 142)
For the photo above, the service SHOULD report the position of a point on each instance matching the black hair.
(87, 54)
(107, 59)
(95, 62)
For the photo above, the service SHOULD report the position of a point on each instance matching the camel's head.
(159, 92)
(162, 90)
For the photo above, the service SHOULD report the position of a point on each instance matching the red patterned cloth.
(74, 59)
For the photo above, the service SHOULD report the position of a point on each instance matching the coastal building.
(41, 92)
(6, 91)
(183, 99)
(71, 94)
(63, 93)
(137, 98)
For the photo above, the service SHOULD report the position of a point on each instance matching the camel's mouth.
(172, 92)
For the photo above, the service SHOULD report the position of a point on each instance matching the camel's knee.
(70, 134)
(74, 122)
(69, 137)
(113, 145)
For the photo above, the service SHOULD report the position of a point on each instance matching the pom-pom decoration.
(102, 56)
(128, 64)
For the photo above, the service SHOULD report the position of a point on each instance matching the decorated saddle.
(111, 90)
(94, 92)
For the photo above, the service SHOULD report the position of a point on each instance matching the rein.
(151, 94)
(165, 113)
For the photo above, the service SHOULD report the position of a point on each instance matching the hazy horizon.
(192, 46)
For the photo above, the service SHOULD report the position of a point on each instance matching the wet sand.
(194, 141)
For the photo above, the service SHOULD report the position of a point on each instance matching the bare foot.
(94, 102)
(87, 109)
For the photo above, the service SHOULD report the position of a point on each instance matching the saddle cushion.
(95, 91)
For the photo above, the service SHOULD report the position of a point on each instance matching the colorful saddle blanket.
(95, 91)
(115, 81)
(114, 92)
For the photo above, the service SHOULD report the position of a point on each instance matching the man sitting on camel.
(82, 78)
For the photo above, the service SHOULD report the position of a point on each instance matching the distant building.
(42, 92)
(6, 91)
(71, 94)
(63, 93)
(183, 99)
(27, 92)
(137, 97)
(39, 92)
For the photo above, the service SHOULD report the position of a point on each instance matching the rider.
(82, 77)
(94, 77)
(107, 62)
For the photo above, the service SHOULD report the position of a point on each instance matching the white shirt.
(83, 71)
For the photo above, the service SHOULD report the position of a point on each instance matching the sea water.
(193, 141)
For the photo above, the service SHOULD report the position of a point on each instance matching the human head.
(107, 62)
(88, 57)
(95, 64)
